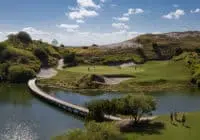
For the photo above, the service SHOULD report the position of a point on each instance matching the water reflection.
(15, 94)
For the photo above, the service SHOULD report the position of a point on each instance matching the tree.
(54, 42)
(69, 57)
(137, 106)
(24, 37)
(41, 54)
(20, 74)
(62, 45)
(96, 110)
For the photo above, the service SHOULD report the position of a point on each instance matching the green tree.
(138, 106)
(4, 71)
(24, 37)
(41, 54)
(20, 74)
(54, 42)
(69, 58)
(96, 110)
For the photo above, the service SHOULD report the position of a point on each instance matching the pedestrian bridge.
(75, 109)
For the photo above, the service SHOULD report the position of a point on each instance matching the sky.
(86, 22)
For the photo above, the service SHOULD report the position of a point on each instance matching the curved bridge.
(75, 109)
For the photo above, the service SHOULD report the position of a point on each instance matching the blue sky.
(84, 22)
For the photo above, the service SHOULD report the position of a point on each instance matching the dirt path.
(127, 122)
(60, 64)
(50, 72)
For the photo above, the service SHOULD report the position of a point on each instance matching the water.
(24, 117)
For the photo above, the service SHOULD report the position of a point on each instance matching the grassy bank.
(151, 76)
(159, 129)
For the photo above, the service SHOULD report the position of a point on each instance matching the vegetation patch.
(158, 129)
(151, 76)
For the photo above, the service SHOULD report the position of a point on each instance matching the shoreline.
(180, 87)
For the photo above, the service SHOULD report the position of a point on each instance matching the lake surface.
(24, 117)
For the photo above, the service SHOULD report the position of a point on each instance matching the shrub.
(41, 54)
(4, 71)
(20, 74)
(24, 37)
(94, 131)
(2, 47)
(23, 60)
(69, 58)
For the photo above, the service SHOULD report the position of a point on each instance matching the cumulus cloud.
(120, 26)
(174, 15)
(69, 27)
(122, 19)
(82, 13)
(84, 9)
(132, 11)
(195, 11)
(87, 3)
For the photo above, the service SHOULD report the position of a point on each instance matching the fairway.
(153, 70)
(105, 70)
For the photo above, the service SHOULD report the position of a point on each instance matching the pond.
(25, 117)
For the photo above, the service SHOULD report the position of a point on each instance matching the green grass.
(103, 70)
(171, 132)
(151, 76)
(150, 71)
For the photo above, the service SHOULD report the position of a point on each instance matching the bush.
(24, 37)
(41, 54)
(4, 71)
(94, 131)
(69, 58)
(23, 60)
(2, 47)
(20, 74)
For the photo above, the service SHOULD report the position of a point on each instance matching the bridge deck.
(60, 103)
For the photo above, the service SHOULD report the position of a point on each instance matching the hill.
(140, 49)
(21, 57)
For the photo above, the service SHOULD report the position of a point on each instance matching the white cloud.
(69, 27)
(80, 21)
(87, 3)
(120, 26)
(82, 13)
(80, 38)
(132, 11)
(89, 38)
(174, 15)
(32, 30)
(122, 19)
(195, 11)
